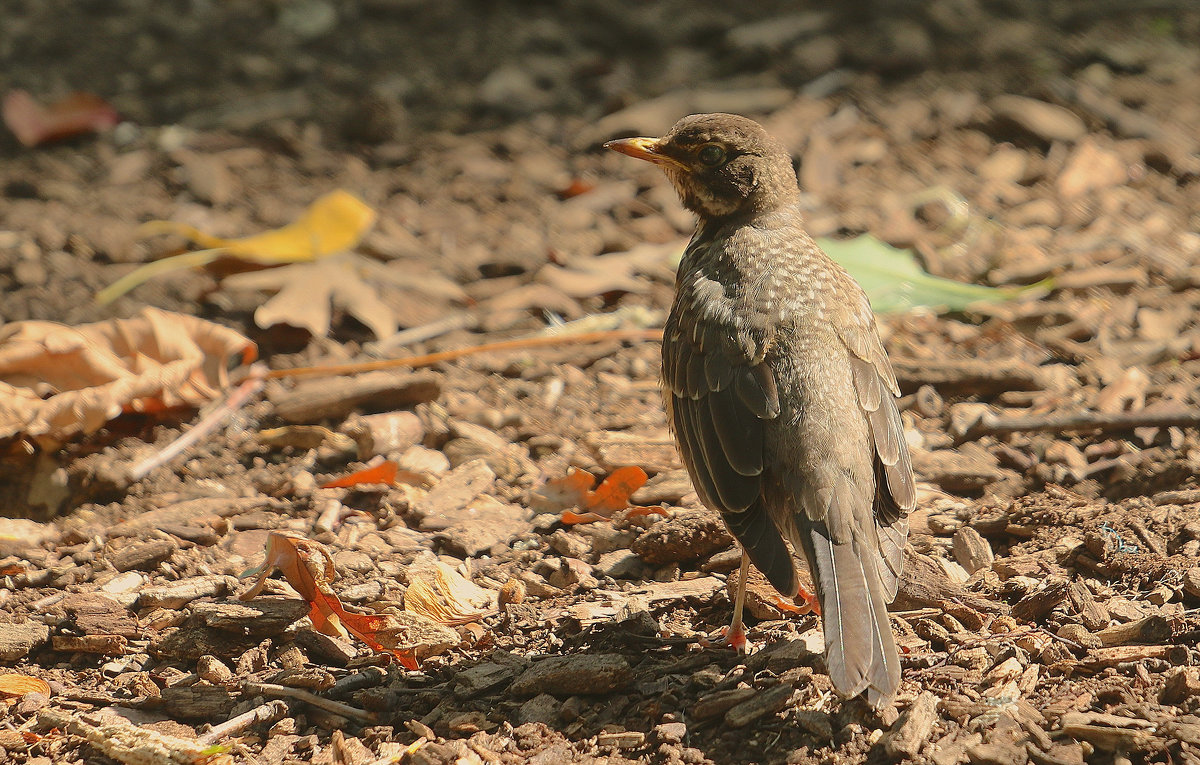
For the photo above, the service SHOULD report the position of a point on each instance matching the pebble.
(1046, 121)
(671, 733)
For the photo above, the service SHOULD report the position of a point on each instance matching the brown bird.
(781, 396)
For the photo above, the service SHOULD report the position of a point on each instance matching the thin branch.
(329, 705)
(1105, 422)
(236, 399)
(264, 713)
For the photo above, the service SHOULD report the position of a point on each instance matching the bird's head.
(721, 164)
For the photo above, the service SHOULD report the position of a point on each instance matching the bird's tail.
(860, 651)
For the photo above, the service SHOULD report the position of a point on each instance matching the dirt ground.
(1049, 610)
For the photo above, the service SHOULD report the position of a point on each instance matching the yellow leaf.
(333, 223)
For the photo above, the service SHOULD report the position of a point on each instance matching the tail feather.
(860, 651)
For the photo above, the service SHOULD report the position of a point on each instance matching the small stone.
(621, 564)
(971, 550)
(542, 708)
(1005, 164)
(1044, 120)
(1090, 168)
(671, 733)
(575, 674)
(213, 670)
(569, 544)
(572, 572)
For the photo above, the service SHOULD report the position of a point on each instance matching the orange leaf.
(642, 512)
(614, 493)
(563, 493)
(308, 568)
(384, 472)
(76, 114)
(570, 518)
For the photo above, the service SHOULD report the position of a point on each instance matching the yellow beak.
(649, 149)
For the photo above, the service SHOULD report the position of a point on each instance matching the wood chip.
(911, 732)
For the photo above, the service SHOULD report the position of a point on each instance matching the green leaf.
(895, 282)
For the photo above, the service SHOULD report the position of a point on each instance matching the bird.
(781, 396)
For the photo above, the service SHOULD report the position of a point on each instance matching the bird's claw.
(810, 605)
(735, 639)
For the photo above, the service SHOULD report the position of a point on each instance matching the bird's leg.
(735, 633)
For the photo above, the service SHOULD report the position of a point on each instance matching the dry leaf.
(76, 114)
(308, 568)
(58, 381)
(438, 592)
(383, 472)
(334, 223)
(305, 294)
(611, 496)
(13, 687)
(614, 492)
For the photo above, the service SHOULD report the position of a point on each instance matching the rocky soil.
(1049, 612)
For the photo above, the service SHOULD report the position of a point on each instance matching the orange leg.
(735, 633)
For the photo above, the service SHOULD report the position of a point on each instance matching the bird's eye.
(712, 155)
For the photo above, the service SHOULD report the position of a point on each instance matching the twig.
(264, 713)
(428, 359)
(991, 425)
(237, 399)
(329, 705)
(463, 320)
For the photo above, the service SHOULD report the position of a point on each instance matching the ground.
(1048, 612)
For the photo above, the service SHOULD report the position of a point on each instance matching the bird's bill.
(649, 149)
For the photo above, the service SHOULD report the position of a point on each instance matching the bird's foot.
(734, 638)
(810, 605)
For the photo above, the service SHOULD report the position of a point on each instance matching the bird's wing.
(719, 395)
(876, 388)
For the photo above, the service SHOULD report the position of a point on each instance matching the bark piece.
(719, 702)
(141, 556)
(1151, 630)
(760, 704)
(1094, 616)
(179, 594)
(259, 617)
(335, 398)
(1181, 685)
(976, 377)
(654, 454)
(1037, 604)
(911, 732)
(198, 702)
(575, 674)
